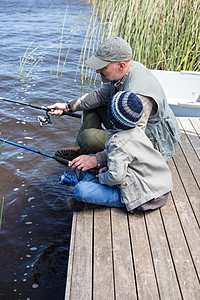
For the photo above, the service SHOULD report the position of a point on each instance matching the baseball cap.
(114, 49)
(125, 110)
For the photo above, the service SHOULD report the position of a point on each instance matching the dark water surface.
(35, 232)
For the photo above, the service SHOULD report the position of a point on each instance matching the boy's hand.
(104, 169)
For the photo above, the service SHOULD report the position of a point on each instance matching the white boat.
(182, 90)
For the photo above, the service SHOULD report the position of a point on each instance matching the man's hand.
(84, 162)
(57, 109)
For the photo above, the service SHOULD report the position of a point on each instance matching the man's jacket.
(162, 128)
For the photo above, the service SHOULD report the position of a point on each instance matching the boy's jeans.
(91, 191)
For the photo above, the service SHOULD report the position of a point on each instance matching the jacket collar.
(120, 83)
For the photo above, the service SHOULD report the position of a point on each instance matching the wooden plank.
(70, 260)
(124, 277)
(103, 284)
(192, 134)
(146, 283)
(186, 273)
(187, 218)
(115, 255)
(163, 263)
(191, 152)
(80, 280)
(192, 130)
(187, 177)
(196, 124)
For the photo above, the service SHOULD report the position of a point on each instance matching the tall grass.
(61, 42)
(164, 34)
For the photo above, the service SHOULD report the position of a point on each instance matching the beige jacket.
(140, 171)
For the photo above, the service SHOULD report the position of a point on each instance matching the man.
(113, 61)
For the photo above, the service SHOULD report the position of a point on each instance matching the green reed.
(164, 34)
(61, 39)
(26, 58)
(2, 204)
(1, 216)
(94, 36)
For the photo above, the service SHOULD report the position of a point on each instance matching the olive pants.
(91, 137)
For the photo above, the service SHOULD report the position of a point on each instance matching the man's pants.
(91, 137)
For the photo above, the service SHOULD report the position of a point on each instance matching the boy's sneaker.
(75, 205)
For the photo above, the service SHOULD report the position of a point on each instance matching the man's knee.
(92, 140)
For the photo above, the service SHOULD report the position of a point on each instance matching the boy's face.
(111, 72)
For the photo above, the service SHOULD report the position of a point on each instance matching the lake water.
(35, 231)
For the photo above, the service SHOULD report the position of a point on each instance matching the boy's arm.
(117, 162)
(101, 159)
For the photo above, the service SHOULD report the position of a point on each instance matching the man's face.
(110, 73)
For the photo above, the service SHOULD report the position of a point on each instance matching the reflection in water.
(35, 234)
(35, 237)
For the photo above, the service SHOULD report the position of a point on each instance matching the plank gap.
(152, 258)
(132, 252)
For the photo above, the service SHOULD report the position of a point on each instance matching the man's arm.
(92, 100)
(88, 101)
(150, 108)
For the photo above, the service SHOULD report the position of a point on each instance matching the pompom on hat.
(125, 110)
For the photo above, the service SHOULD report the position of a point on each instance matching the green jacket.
(162, 128)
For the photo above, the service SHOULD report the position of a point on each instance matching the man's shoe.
(74, 205)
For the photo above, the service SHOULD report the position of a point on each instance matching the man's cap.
(114, 49)
(125, 110)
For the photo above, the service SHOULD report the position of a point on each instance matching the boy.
(136, 175)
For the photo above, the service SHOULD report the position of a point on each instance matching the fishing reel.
(44, 120)
(68, 179)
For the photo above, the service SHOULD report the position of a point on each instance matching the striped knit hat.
(125, 110)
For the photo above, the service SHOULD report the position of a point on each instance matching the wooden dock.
(152, 255)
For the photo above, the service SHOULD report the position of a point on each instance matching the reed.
(61, 41)
(164, 34)
(1, 216)
(27, 57)
(2, 204)
(1, 149)
(94, 36)
(23, 62)
(86, 47)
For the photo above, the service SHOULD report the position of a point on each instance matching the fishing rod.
(64, 178)
(41, 120)
(65, 162)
